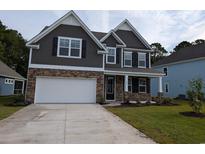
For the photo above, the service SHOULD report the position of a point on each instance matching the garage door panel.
(64, 90)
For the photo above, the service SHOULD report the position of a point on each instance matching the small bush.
(17, 101)
(166, 100)
(195, 95)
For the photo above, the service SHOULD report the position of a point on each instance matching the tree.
(13, 51)
(198, 41)
(196, 95)
(181, 45)
(159, 52)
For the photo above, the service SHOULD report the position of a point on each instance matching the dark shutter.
(55, 46)
(135, 84)
(84, 49)
(147, 60)
(118, 53)
(134, 59)
(148, 85)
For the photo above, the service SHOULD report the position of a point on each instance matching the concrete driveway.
(71, 123)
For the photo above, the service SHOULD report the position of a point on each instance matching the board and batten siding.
(178, 77)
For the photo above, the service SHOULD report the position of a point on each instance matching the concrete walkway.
(72, 123)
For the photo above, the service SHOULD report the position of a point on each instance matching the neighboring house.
(180, 67)
(10, 81)
(70, 64)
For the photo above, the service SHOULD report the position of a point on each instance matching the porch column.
(160, 85)
(126, 83)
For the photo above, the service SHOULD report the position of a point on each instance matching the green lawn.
(6, 111)
(164, 124)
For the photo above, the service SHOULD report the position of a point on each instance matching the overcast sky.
(167, 27)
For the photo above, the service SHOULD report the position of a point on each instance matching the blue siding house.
(180, 67)
(10, 81)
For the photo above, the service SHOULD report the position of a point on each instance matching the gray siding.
(5, 89)
(130, 39)
(178, 78)
(44, 54)
(111, 41)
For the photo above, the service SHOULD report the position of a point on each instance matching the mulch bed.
(193, 114)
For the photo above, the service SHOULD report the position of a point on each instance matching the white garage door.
(65, 90)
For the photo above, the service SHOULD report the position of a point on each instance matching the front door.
(110, 88)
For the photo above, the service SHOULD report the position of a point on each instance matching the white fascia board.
(8, 76)
(58, 22)
(61, 67)
(134, 49)
(135, 32)
(141, 74)
(33, 46)
(102, 52)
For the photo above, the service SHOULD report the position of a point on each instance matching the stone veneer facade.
(35, 72)
(120, 94)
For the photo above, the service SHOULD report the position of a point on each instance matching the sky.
(166, 27)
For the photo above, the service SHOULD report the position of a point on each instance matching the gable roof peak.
(74, 21)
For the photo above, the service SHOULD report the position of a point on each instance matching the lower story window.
(130, 84)
(166, 87)
(142, 85)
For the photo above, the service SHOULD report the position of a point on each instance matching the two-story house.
(71, 64)
(179, 68)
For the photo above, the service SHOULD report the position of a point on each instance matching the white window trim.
(128, 52)
(142, 53)
(142, 85)
(69, 52)
(9, 81)
(166, 83)
(114, 56)
(167, 71)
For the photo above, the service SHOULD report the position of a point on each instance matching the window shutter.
(147, 60)
(148, 85)
(118, 53)
(134, 59)
(55, 46)
(84, 49)
(135, 84)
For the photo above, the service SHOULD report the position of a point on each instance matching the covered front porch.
(125, 87)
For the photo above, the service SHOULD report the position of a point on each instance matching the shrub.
(17, 101)
(166, 100)
(195, 94)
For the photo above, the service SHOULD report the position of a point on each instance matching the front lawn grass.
(5, 110)
(164, 124)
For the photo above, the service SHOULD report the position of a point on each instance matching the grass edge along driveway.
(164, 124)
(5, 110)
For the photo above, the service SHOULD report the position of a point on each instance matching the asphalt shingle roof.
(8, 72)
(187, 53)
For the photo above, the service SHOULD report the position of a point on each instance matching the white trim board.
(109, 72)
(60, 21)
(61, 67)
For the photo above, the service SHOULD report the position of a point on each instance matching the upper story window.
(142, 85)
(141, 60)
(127, 59)
(111, 56)
(165, 71)
(69, 47)
(9, 81)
